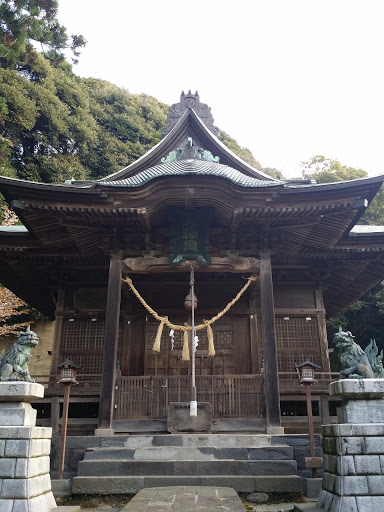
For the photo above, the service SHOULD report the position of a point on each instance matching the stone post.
(354, 450)
(25, 484)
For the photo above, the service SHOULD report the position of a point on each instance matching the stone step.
(190, 453)
(309, 507)
(133, 484)
(218, 440)
(67, 508)
(116, 467)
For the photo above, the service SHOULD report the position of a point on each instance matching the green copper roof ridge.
(191, 167)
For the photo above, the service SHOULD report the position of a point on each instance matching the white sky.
(289, 79)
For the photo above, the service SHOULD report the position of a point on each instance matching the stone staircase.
(245, 462)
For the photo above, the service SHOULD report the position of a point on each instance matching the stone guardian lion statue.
(13, 365)
(357, 363)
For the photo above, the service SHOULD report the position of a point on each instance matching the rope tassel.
(211, 346)
(185, 354)
(156, 345)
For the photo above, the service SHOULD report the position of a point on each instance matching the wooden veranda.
(146, 398)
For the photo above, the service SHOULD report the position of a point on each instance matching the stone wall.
(25, 484)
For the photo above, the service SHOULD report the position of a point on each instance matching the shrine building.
(190, 200)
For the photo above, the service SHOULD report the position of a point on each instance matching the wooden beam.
(269, 341)
(112, 318)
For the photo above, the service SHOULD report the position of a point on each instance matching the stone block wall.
(353, 478)
(24, 469)
(301, 450)
(25, 484)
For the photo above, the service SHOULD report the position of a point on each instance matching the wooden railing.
(290, 381)
(86, 381)
(231, 396)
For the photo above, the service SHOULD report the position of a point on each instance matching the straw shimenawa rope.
(185, 328)
(185, 353)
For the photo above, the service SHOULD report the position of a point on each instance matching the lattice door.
(83, 343)
(297, 340)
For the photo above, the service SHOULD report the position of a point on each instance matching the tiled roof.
(190, 167)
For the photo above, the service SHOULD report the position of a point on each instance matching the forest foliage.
(56, 126)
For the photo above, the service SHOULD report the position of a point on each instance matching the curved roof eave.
(14, 183)
(369, 187)
(375, 182)
(170, 142)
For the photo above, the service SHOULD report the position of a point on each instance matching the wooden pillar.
(55, 413)
(253, 337)
(57, 335)
(272, 393)
(112, 318)
(322, 329)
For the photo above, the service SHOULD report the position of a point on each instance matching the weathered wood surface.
(269, 341)
(112, 320)
(148, 397)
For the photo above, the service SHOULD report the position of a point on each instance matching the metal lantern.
(188, 302)
(306, 372)
(67, 372)
(68, 378)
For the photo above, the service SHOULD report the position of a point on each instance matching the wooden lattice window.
(297, 340)
(297, 332)
(83, 343)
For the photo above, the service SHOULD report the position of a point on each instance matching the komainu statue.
(357, 363)
(13, 365)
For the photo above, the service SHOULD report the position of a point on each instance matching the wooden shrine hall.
(190, 199)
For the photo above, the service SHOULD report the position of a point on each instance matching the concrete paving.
(185, 499)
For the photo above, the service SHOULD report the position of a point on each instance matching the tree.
(328, 170)
(47, 125)
(12, 309)
(26, 23)
(127, 126)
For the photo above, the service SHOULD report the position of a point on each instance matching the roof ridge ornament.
(189, 152)
(189, 101)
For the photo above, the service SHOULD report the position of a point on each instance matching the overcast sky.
(289, 79)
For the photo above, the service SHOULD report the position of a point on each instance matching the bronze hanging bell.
(188, 302)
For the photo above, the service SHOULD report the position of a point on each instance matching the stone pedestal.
(180, 420)
(354, 449)
(25, 484)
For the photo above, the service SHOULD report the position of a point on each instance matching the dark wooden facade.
(79, 239)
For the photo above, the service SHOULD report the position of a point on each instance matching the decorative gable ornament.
(189, 101)
(189, 152)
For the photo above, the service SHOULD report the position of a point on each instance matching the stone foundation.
(354, 449)
(25, 484)
(180, 420)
